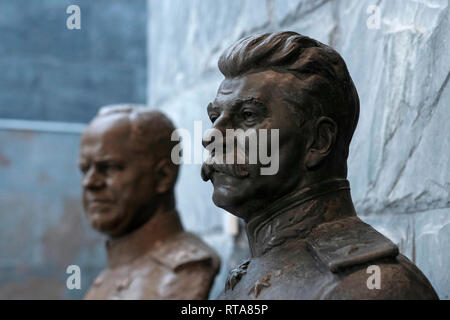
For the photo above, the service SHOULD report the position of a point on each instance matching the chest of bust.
(286, 272)
(142, 279)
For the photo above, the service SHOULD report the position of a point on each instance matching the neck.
(124, 249)
(294, 215)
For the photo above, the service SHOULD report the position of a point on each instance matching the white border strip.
(43, 126)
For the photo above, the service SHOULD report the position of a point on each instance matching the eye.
(102, 167)
(106, 167)
(84, 168)
(249, 116)
(116, 166)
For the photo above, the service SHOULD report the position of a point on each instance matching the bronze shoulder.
(355, 252)
(183, 249)
(346, 242)
(399, 279)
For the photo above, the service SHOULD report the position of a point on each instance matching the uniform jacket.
(311, 245)
(157, 261)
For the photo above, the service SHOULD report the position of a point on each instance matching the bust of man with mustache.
(128, 195)
(305, 239)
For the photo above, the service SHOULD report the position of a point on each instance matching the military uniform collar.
(125, 249)
(292, 216)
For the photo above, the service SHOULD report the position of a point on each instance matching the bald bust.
(128, 195)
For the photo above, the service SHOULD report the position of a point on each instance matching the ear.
(165, 176)
(324, 136)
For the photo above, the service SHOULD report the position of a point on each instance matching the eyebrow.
(250, 100)
(100, 160)
(237, 103)
(109, 159)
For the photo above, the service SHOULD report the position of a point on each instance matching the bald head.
(126, 167)
(149, 131)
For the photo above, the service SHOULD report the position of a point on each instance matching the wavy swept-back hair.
(322, 71)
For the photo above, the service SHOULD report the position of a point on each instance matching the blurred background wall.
(165, 52)
(52, 81)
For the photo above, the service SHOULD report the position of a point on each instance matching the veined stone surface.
(399, 164)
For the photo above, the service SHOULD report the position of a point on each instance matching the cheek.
(138, 185)
(291, 155)
(122, 186)
(145, 184)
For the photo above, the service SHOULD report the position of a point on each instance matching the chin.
(235, 194)
(228, 190)
(105, 223)
(232, 201)
(225, 199)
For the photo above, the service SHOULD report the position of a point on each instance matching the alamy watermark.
(74, 20)
(236, 147)
(374, 280)
(74, 279)
(374, 19)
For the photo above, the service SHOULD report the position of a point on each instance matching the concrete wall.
(43, 229)
(399, 160)
(52, 73)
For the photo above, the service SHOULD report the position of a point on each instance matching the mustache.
(234, 170)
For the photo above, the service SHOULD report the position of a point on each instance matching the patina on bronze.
(305, 238)
(128, 194)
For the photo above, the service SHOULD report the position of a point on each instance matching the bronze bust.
(305, 239)
(128, 194)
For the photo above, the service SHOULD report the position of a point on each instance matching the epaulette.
(347, 242)
(183, 249)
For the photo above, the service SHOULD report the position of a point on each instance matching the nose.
(93, 180)
(218, 131)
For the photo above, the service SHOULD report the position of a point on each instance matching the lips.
(102, 201)
(98, 203)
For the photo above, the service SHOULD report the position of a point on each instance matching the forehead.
(265, 86)
(107, 136)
